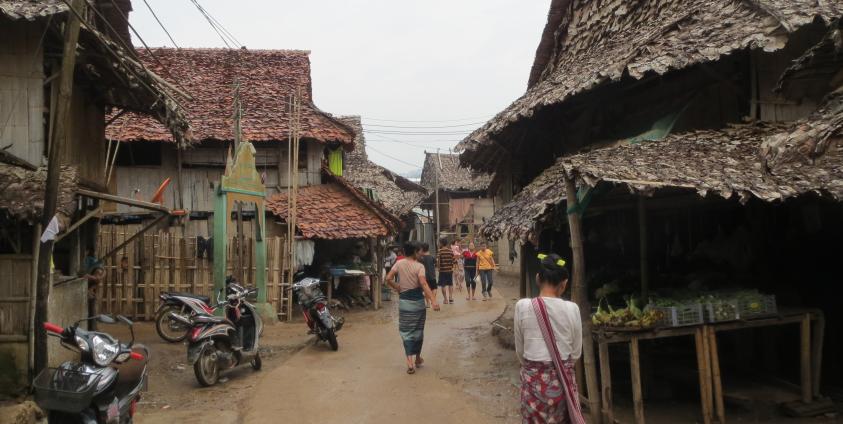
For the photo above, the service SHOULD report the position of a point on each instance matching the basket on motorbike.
(58, 389)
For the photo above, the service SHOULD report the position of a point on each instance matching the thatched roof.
(267, 78)
(451, 175)
(725, 163)
(119, 79)
(22, 192)
(600, 42)
(335, 210)
(396, 193)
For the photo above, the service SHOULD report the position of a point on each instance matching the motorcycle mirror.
(106, 319)
(125, 320)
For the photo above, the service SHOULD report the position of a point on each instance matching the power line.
(417, 132)
(408, 143)
(366, 118)
(426, 127)
(211, 22)
(394, 158)
(160, 23)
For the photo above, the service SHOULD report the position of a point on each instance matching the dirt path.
(365, 382)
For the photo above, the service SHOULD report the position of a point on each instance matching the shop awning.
(767, 161)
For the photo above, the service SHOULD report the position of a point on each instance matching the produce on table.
(630, 316)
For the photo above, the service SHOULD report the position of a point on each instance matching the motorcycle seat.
(205, 299)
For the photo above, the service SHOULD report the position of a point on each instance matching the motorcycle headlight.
(83, 344)
(104, 351)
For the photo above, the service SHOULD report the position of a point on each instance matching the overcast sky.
(442, 63)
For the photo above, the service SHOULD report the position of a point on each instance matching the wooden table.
(708, 360)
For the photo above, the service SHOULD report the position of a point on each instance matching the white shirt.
(567, 329)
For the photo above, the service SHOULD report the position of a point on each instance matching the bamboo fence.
(166, 262)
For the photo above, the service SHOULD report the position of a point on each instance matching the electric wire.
(393, 157)
(473, 118)
(211, 22)
(471, 124)
(161, 24)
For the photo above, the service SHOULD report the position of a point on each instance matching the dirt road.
(467, 376)
(366, 382)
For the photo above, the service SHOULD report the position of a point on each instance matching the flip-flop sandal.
(452, 301)
(420, 364)
(411, 370)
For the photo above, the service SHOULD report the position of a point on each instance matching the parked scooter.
(185, 305)
(220, 343)
(103, 386)
(314, 306)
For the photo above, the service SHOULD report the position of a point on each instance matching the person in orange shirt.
(486, 265)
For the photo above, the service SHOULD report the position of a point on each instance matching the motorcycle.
(221, 343)
(183, 304)
(314, 306)
(103, 386)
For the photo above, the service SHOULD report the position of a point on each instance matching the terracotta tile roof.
(266, 77)
(452, 175)
(396, 193)
(335, 210)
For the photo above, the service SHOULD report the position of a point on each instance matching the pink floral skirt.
(543, 395)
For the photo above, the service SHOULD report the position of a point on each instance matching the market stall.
(346, 235)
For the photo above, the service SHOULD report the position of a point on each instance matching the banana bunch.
(629, 316)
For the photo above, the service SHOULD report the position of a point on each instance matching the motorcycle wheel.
(206, 368)
(61, 418)
(170, 330)
(257, 363)
(332, 340)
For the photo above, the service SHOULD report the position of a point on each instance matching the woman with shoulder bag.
(548, 341)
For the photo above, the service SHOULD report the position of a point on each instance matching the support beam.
(78, 223)
(579, 295)
(123, 200)
(51, 190)
(643, 249)
(140, 232)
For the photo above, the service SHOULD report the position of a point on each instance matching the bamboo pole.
(606, 383)
(817, 341)
(580, 296)
(704, 375)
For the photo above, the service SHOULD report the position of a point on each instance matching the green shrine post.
(241, 183)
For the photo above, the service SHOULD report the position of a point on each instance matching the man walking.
(445, 260)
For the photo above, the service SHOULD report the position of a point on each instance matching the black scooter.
(104, 386)
(314, 307)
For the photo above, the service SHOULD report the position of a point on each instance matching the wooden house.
(209, 80)
(105, 76)
(397, 194)
(461, 195)
(683, 143)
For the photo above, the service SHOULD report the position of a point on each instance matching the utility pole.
(438, 166)
(238, 135)
(54, 157)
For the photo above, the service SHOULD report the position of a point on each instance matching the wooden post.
(805, 359)
(720, 408)
(606, 383)
(580, 297)
(635, 370)
(522, 268)
(817, 340)
(642, 243)
(51, 190)
(704, 375)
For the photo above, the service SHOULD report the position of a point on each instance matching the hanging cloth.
(305, 250)
(335, 161)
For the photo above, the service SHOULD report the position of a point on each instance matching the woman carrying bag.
(548, 341)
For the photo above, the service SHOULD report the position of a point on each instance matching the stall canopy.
(335, 210)
(768, 161)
